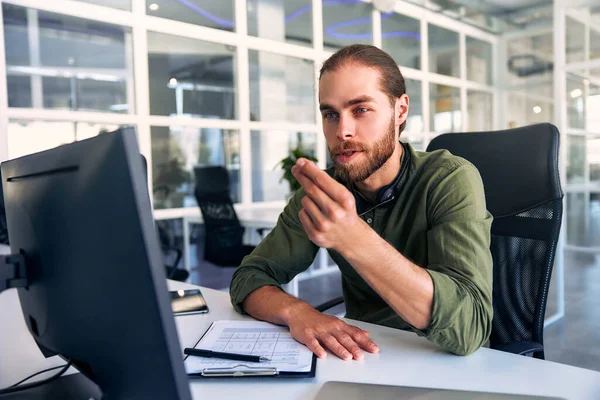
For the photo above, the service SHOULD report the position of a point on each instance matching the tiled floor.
(575, 340)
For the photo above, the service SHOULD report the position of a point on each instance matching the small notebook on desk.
(288, 358)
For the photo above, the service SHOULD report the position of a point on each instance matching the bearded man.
(409, 230)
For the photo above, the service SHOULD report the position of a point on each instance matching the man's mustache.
(347, 146)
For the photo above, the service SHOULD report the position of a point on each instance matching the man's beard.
(376, 155)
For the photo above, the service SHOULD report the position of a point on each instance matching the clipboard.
(263, 338)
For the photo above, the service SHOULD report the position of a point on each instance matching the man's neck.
(382, 177)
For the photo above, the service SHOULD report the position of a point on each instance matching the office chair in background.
(523, 193)
(223, 243)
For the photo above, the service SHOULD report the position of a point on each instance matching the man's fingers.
(307, 223)
(320, 178)
(314, 346)
(336, 348)
(319, 196)
(315, 213)
(346, 340)
(362, 338)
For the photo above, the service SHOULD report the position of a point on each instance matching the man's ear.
(401, 109)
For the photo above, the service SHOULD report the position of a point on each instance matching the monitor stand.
(70, 387)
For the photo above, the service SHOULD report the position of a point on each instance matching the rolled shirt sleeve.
(278, 258)
(460, 261)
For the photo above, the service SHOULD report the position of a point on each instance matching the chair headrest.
(211, 180)
(519, 167)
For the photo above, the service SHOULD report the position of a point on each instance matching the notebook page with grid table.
(252, 338)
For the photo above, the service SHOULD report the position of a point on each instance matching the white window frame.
(140, 24)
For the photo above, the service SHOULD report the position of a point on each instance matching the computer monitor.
(97, 295)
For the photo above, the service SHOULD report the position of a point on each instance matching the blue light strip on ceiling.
(222, 22)
(330, 30)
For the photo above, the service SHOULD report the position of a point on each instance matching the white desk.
(255, 217)
(404, 359)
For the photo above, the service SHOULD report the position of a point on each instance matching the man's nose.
(346, 128)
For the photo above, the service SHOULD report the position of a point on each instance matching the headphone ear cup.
(386, 194)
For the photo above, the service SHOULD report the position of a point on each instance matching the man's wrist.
(293, 310)
(356, 240)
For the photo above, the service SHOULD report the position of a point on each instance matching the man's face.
(359, 122)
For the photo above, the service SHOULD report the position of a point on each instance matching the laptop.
(360, 391)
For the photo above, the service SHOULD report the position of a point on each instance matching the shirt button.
(369, 220)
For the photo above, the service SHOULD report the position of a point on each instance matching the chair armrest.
(521, 348)
(329, 304)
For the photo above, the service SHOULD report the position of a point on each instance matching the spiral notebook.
(288, 358)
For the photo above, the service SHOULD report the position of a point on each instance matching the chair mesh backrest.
(519, 169)
(523, 248)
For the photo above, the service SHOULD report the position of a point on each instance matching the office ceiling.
(497, 16)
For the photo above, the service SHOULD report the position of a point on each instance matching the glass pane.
(268, 149)
(176, 150)
(538, 111)
(575, 40)
(583, 219)
(576, 154)
(281, 88)
(19, 91)
(479, 61)
(26, 137)
(480, 111)
(120, 4)
(575, 102)
(70, 94)
(401, 38)
(530, 63)
(445, 108)
(592, 105)
(576, 219)
(414, 122)
(516, 112)
(593, 157)
(443, 51)
(211, 13)
(284, 21)
(417, 142)
(191, 77)
(70, 63)
(346, 23)
(594, 44)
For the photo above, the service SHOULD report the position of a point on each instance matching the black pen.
(229, 356)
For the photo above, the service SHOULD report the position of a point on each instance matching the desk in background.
(252, 218)
(404, 359)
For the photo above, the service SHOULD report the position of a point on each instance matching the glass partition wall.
(230, 82)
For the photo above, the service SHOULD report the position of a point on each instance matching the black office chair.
(223, 244)
(171, 254)
(519, 169)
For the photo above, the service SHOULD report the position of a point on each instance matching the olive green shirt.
(437, 218)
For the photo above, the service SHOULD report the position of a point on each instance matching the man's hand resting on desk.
(308, 326)
(319, 331)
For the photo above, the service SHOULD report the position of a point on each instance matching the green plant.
(287, 163)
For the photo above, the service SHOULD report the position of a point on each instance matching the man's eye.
(330, 115)
(362, 110)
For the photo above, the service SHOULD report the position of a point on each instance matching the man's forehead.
(349, 82)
